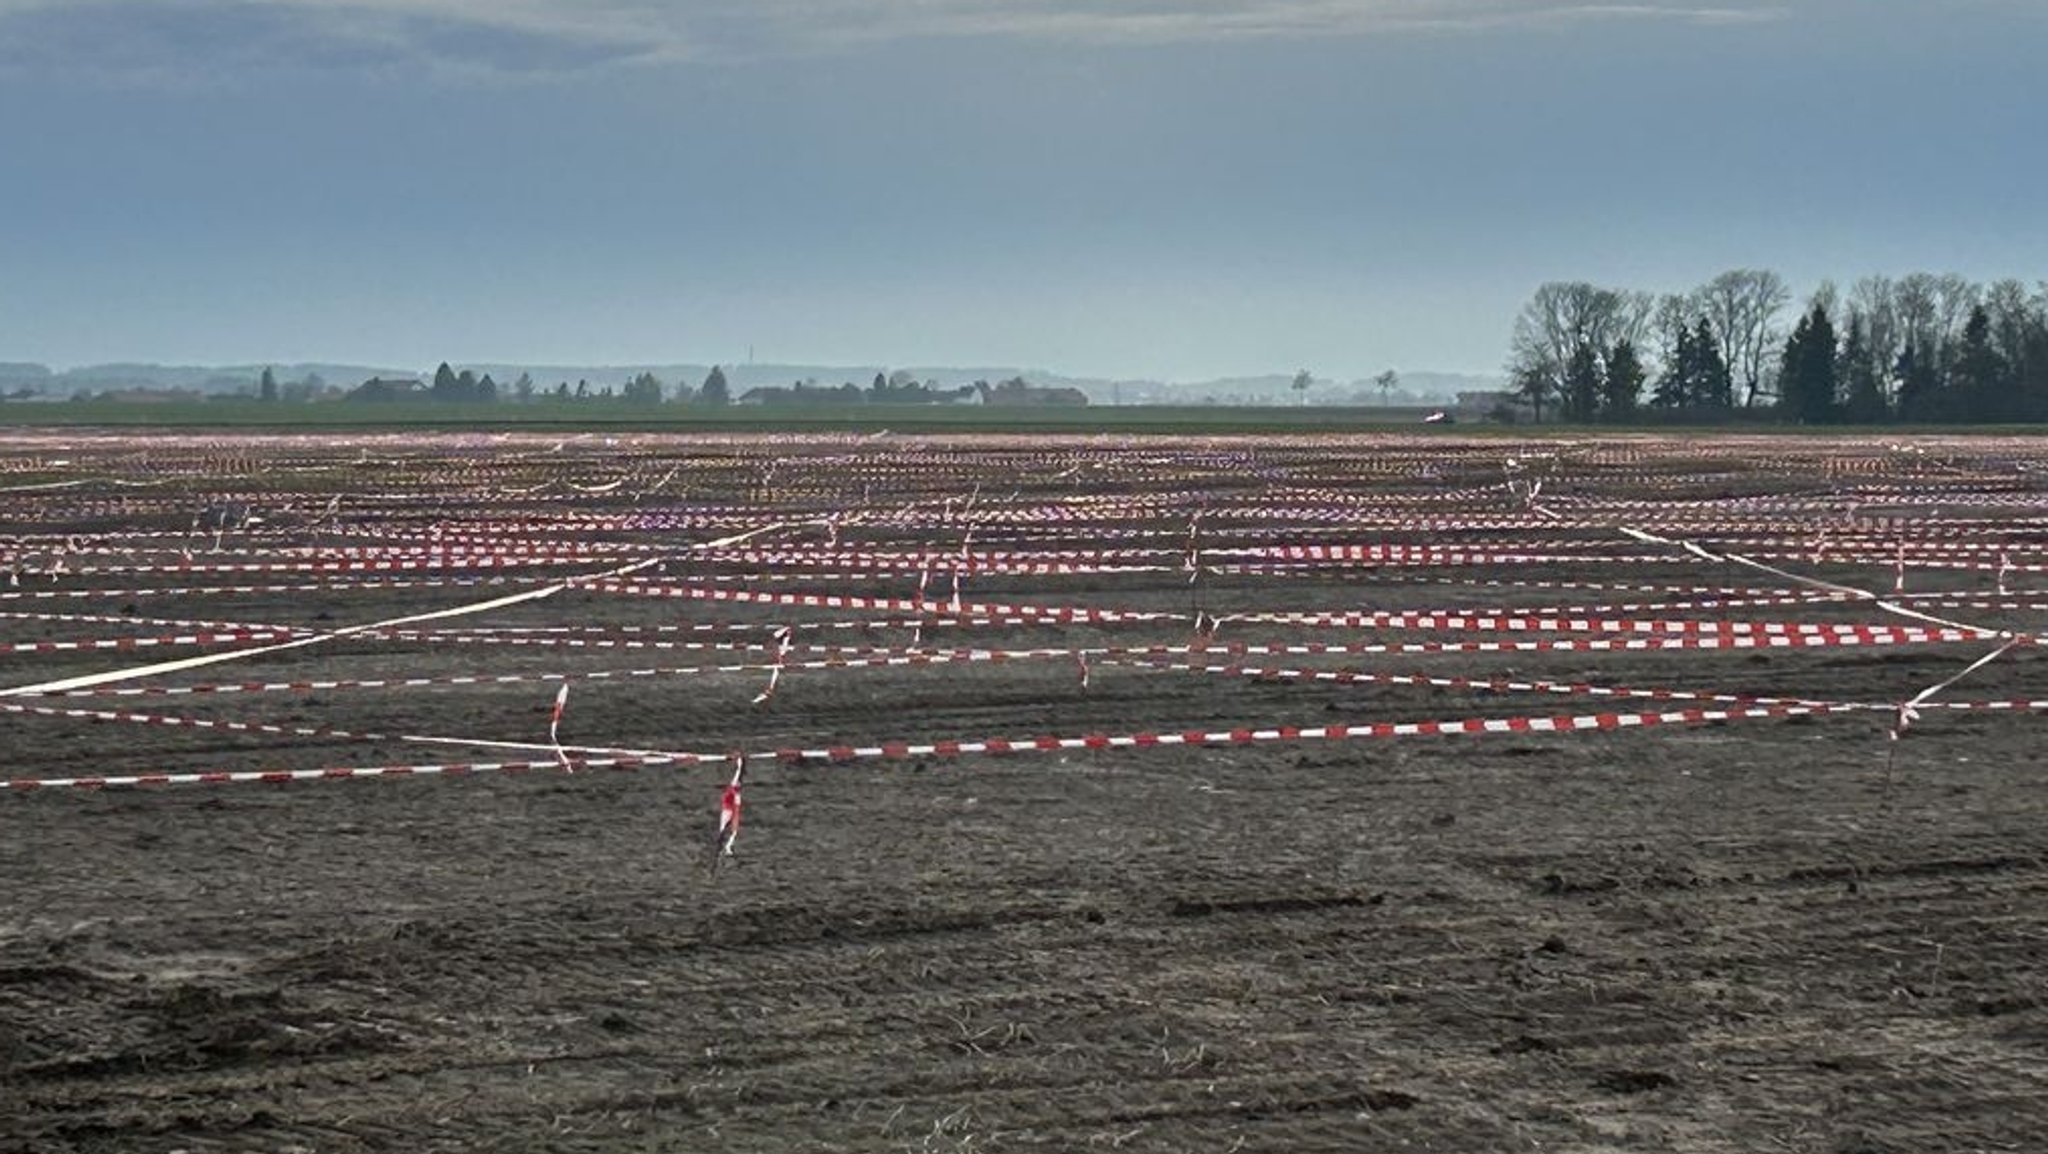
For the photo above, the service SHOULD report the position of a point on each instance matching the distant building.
(765, 395)
(388, 389)
(1493, 405)
(802, 393)
(1015, 393)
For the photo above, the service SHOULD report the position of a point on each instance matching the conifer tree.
(715, 390)
(1806, 371)
(1710, 384)
(1581, 398)
(1672, 390)
(1862, 386)
(1977, 383)
(1622, 386)
(1919, 386)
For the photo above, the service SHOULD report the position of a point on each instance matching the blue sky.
(1146, 188)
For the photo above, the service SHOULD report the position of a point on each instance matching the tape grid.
(849, 526)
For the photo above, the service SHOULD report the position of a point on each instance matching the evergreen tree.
(1710, 385)
(1821, 354)
(1863, 390)
(644, 389)
(1806, 371)
(1919, 386)
(267, 389)
(1977, 383)
(1581, 399)
(486, 390)
(1672, 390)
(1622, 388)
(445, 386)
(1533, 383)
(715, 390)
(2031, 379)
(1791, 386)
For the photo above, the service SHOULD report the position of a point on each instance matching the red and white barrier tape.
(231, 637)
(955, 748)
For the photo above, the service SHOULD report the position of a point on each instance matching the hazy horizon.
(772, 371)
(1179, 190)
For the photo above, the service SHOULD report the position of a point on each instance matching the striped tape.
(1577, 723)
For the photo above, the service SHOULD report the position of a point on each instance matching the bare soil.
(1768, 934)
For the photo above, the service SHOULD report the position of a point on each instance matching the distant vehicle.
(1440, 417)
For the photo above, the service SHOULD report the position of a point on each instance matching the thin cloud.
(1160, 21)
(212, 42)
(196, 39)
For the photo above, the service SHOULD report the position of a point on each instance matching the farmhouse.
(1493, 405)
(801, 393)
(1016, 393)
(387, 389)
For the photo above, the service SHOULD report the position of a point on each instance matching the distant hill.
(1416, 388)
(1421, 387)
(12, 375)
(1274, 389)
(204, 378)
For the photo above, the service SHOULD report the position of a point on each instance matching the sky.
(1163, 189)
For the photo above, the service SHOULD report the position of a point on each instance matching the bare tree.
(1541, 345)
(1875, 300)
(1386, 381)
(1742, 307)
(1561, 318)
(2011, 319)
(1954, 298)
(1670, 321)
(1827, 297)
(1916, 298)
(1638, 310)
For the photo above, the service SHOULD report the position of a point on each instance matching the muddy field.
(1722, 910)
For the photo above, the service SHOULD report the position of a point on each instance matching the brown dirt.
(1738, 937)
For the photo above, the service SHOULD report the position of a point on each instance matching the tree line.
(451, 386)
(1918, 348)
(466, 387)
